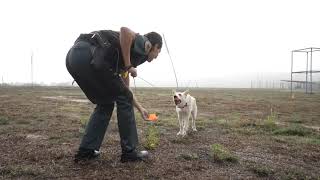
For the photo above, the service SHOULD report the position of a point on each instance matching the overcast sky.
(206, 39)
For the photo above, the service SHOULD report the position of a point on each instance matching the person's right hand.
(144, 113)
(133, 72)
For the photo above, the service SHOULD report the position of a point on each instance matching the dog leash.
(135, 87)
(152, 117)
(165, 42)
(146, 81)
(134, 81)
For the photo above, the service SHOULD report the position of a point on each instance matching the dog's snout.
(176, 100)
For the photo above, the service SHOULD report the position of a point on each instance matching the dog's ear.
(186, 92)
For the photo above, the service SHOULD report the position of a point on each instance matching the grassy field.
(242, 134)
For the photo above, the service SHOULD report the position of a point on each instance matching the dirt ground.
(270, 134)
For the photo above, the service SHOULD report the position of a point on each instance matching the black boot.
(134, 156)
(86, 154)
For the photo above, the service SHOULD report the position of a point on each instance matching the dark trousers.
(99, 88)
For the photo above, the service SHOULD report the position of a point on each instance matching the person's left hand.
(144, 113)
(133, 71)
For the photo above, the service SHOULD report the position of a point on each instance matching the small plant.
(270, 122)
(4, 121)
(221, 154)
(261, 171)
(314, 141)
(296, 119)
(83, 122)
(152, 137)
(188, 156)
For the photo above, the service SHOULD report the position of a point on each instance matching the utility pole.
(32, 68)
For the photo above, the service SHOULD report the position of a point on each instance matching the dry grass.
(282, 143)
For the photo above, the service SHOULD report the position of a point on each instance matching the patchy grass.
(234, 120)
(260, 170)
(222, 154)
(270, 122)
(295, 174)
(315, 140)
(243, 126)
(19, 171)
(70, 108)
(4, 120)
(167, 121)
(152, 137)
(234, 116)
(188, 156)
(295, 118)
(248, 131)
(23, 121)
(294, 130)
(204, 123)
(240, 119)
(181, 140)
(298, 139)
(83, 124)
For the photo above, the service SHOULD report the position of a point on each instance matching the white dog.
(186, 106)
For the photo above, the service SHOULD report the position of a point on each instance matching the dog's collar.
(184, 106)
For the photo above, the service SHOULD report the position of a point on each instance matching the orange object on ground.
(152, 117)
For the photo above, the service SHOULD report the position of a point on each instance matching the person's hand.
(132, 71)
(144, 113)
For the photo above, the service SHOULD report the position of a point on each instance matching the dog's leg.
(194, 116)
(188, 122)
(185, 120)
(180, 124)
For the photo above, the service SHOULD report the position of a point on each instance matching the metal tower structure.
(308, 71)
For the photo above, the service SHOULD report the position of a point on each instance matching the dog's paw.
(194, 130)
(179, 133)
